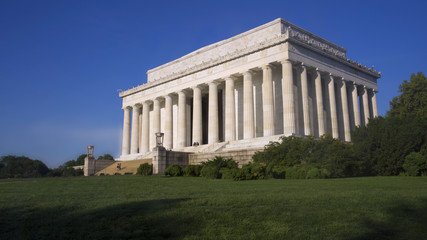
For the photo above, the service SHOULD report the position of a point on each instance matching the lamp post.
(90, 151)
(159, 139)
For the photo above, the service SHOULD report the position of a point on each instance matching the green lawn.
(124, 207)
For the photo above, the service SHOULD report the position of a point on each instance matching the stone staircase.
(256, 143)
(127, 167)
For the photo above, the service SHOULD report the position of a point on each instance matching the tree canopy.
(13, 166)
(387, 141)
(413, 98)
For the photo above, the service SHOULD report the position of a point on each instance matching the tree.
(81, 160)
(413, 98)
(415, 164)
(22, 167)
(386, 141)
(106, 157)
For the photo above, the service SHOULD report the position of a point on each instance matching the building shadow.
(403, 221)
(154, 219)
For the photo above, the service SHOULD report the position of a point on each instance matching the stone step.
(127, 167)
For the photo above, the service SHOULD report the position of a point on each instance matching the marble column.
(268, 101)
(346, 116)
(126, 131)
(230, 110)
(134, 141)
(304, 94)
(333, 107)
(289, 126)
(355, 105)
(374, 103)
(182, 126)
(365, 105)
(319, 102)
(197, 115)
(248, 106)
(168, 123)
(156, 115)
(213, 131)
(145, 130)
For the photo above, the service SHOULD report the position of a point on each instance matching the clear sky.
(62, 63)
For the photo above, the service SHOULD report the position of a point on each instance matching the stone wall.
(241, 156)
(163, 159)
(92, 165)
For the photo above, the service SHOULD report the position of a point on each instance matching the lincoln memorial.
(243, 92)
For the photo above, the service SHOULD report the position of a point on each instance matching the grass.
(157, 207)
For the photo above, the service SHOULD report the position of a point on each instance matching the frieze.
(304, 38)
(292, 33)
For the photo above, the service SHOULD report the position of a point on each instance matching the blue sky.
(63, 62)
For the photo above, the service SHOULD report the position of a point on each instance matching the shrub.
(297, 172)
(251, 171)
(221, 162)
(145, 169)
(128, 173)
(278, 172)
(211, 169)
(415, 164)
(101, 174)
(335, 155)
(227, 173)
(173, 171)
(313, 173)
(211, 172)
(117, 173)
(192, 170)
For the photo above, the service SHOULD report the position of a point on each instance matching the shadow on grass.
(155, 219)
(402, 222)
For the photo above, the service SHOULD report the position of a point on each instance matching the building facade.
(274, 80)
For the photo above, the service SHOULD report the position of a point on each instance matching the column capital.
(198, 86)
(182, 91)
(137, 105)
(167, 96)
(147, 103)
(231, 77)
(127, 107)
(214, 82)
(285, 60)
(267, 66)
(248, 72)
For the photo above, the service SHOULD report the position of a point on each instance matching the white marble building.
(274, 80)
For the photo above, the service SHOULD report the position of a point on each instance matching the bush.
(101, 174)
(227, 173)
(211, 172)
(145, 169)
(298, 155)
(117, 173)
(211, 169)
(173, 171)
(192, 170)
(128, 173)
(415, 164)
(221, 162)
(278, 172)
(251, 171)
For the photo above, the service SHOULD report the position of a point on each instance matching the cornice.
(290, 33)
